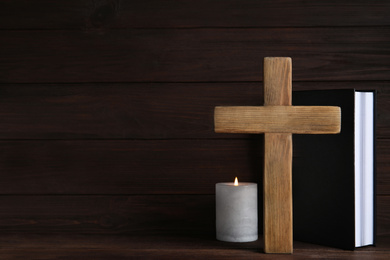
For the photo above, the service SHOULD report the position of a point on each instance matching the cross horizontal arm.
(278, 119)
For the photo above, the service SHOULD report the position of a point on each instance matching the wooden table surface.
(62, 246)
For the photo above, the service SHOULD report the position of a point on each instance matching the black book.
(334, 175)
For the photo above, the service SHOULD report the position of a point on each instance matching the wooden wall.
(106, 107)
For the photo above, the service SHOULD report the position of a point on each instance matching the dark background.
(106, 107)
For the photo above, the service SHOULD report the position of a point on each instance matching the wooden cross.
(278, 120)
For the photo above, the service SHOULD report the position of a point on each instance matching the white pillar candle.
(236, 211)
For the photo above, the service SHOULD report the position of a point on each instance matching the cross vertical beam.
(277, 207)
(278, 120)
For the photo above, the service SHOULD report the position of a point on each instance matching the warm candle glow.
(236, 182)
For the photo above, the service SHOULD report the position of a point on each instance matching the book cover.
(324, 175)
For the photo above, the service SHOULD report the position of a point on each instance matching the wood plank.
(111, 111)
(80, 247)
(383, 167)
(147, 241)
(76, 14)
(140, 110)
(277, 76)
(196, 55)
(173, 254)
(277, 174)
(383, 215)
(139, 167)
(179, 215)
(76, 246)
(126, 166)
(277, 119)
(277, 192)
(130, 215)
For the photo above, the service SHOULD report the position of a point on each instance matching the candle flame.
(236, 182)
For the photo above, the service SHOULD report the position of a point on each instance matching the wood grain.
(277, 87)
(278, 119)
(277, 193)
(196, 55)
(141, 110)
(147, 215)
(80, 247)
(126, 166)
(383, 215)
(144, 73)
(191, 215)
(103, 14)
(277, 175)
(383, 168)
